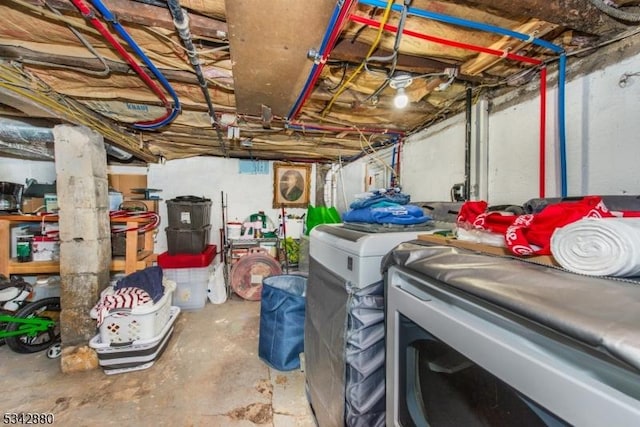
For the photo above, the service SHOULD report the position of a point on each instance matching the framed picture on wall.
(291, 185)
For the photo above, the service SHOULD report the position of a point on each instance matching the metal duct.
(23, 134)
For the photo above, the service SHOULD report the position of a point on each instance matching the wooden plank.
(33, 267)
(269, 45)
(485, 61)
(134, 12)
(486, 249)
(577, 14)
(131, 249)
(5, 247)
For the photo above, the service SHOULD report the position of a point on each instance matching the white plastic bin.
(191, 286)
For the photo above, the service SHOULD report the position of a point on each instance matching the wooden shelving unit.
(133, 260)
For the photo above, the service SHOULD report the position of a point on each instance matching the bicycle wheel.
(47, 308)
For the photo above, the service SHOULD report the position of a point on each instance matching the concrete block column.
(85, 238)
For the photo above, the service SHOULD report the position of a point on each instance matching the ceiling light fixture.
(399, 82)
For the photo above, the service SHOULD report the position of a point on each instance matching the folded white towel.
(599, 246)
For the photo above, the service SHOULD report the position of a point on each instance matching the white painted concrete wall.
(208, 177)
(603, 147)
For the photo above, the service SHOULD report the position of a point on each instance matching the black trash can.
(282, 312)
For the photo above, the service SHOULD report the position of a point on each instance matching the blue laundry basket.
(282, 312)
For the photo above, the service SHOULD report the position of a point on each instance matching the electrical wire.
(165, 37)
(143, 227)
(374, 154)
(614, 12)
(19, 81)
(105, 72)
(344, 67)
(394, 56)
(373, 47)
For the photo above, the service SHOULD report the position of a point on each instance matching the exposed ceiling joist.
(147, 15)
(580, 15)
(254, 56)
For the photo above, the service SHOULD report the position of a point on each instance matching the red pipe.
(88, 14)
(543, 125)
(447, 42)
(337, 29)
(398, 161)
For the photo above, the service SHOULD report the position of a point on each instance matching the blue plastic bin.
(282, 312)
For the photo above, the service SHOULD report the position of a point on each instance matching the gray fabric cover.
(344, 350)
(601, 313)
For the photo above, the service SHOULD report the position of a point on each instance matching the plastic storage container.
(47, 287)
(166, 260)
(282, 313)
(144, 322)
(187, 241)
(140, 354)
(189, 212)
(191, 286)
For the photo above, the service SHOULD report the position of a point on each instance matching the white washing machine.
(355, 254)
(344, 322)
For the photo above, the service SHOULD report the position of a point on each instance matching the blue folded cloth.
(377, 196)
(388, 214)
(149, 279)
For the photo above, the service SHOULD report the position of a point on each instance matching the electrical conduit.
(521, 36)
(181, 22)
(175, 110)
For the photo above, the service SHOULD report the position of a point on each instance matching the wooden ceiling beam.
(579, 15)
(134, 12)
(24, 55)
(355, 52)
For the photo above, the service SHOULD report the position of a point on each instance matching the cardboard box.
(125, 183)
(31, 204)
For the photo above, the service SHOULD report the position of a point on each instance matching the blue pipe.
(110, 17)
(562, 67)
(323, 48)
(393, 166)
(466, 23)
(521, 36)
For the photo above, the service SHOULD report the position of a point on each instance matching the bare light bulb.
(401, 99)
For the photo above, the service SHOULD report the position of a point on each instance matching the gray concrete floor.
(209, 375)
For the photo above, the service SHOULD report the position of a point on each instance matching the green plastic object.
(321, 215)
